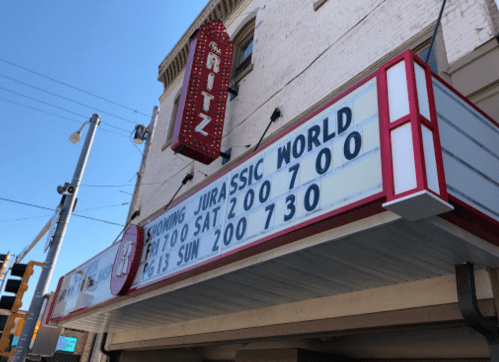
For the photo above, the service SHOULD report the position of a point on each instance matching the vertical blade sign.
(200, 116)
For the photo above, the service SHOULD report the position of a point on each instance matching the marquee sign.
(87, 285)
(127, 260)
(106, 275)
(326, 163)
(198, 128)
(377, 142)
(330, 161)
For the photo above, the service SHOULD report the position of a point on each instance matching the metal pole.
(36, 240)
(53, 252)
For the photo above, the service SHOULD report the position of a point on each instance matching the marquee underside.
(394, 251)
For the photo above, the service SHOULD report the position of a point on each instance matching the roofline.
(176, 59)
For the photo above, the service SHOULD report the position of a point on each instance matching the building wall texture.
(301, 58)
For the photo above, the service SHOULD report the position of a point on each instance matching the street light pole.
(53, 252)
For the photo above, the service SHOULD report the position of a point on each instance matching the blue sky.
(111, 49)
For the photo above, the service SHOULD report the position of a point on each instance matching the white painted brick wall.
(300, 57)
(466, 25)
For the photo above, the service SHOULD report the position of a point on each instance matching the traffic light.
(4, 263)
(17, 286)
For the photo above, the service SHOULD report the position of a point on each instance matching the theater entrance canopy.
(393, 181)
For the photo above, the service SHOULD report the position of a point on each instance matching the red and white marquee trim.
(412, 156)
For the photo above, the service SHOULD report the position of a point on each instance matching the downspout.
(111, 355)
(466, 295)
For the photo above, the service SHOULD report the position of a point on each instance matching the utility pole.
(53, 252)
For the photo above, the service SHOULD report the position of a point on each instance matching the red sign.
(127, 260)
(200, 116)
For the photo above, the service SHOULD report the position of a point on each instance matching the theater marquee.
(376, 147)
(330, 161)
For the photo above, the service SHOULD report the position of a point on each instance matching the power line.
(68, 99)
(122, 185)
(39, 110)
(93, 218)
(162, 183)
(37, 100)
(64, 109)
(46, 208)
(180, 158)
(26, 218)
(26, 204)
(105, 207)
(133, 143)
(78, 89)
(56, 115)
(95, 208)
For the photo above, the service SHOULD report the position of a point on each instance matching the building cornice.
(175, 61)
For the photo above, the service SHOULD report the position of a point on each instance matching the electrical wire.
(69, 100)
(95, 208)
(78, 89)
(162, 183)
(187, 162)
(126, 185)
(37, 100)
(64, 109)
(308, 66)
(133, 143)
(47, 208)
(27, 204)
(56, 115)
(134, 215)
(40, 110)
(93, 218)
(27, 218)
(123, 185)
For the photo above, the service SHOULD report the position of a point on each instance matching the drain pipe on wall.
(466, 295)
(111, 355)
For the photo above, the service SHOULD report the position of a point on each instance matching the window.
(169, 133)
(432, 59)
(246, 50)
(438, 55)
(242, 63)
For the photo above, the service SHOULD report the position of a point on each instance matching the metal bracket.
(226, 156)
(466, 295)
(233, 91)
(180, 149)
(273, 117)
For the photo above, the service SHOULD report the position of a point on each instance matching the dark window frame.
(173, 116)
(241, 64)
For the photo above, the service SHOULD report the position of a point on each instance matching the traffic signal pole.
(53, 252)
(4, 270)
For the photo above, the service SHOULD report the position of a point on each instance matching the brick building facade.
(298, 56)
